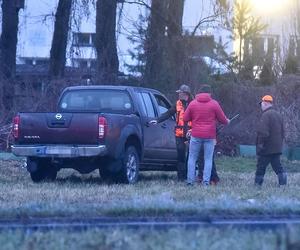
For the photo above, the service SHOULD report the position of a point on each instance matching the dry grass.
(157, 194)
(175, 239)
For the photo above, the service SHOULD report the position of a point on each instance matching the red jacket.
(204, 112)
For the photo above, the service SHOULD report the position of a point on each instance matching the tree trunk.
(155, 44)
(8, 49)
(106, 44)
(298, 33)
(60, 39)
(9, 38)
(240, 54)
(175, 14)
(175, 50)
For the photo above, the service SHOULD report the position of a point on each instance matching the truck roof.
(114, 87)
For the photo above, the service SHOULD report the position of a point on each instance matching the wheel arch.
(133, 140)
(129, 136)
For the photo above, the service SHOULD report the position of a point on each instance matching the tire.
(38, 175)
(130, 166)
(105, 174)
(51, 173)
(45, 171)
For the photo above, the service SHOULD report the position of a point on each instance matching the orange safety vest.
(181, 127)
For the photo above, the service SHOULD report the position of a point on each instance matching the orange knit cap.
(267, 98)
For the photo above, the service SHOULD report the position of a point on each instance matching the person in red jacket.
(204, 112)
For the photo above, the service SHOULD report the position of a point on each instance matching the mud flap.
(32, 166)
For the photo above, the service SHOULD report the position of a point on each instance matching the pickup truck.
(98, 127)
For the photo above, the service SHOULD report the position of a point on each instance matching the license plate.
(58, 151)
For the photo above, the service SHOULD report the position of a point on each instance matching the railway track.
(150, 223)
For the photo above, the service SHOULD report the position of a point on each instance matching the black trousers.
(264, 160)
(182, 149)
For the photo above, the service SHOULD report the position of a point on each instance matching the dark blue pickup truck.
(98, 127)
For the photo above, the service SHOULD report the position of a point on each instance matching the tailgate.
(58, 128)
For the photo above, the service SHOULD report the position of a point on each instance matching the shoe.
(205, 183)
(189, 184)
(259, 179)
(198, 179)
(282, 179)
(214, 183)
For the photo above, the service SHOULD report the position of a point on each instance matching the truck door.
(152, 133)
(168, 142)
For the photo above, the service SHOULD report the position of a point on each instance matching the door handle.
(164, 125)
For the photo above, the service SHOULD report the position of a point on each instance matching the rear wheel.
(44, 171)
(105, 174)
(130, 166)
(51, 173)
(38, 175)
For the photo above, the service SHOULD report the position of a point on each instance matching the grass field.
(156, 194)
(208, 238)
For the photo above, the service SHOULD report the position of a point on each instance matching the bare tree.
(8, 48)
(175, 50)
(9, 36)
(244, 25)
(60, 38)
(298, 32)
(155, 44)
(106, 45)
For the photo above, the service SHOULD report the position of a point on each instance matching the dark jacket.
(270, 133)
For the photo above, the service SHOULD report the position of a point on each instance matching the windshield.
(114, 101)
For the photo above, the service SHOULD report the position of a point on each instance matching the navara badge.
(58, 116)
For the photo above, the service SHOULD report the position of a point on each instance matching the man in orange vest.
(181, 128)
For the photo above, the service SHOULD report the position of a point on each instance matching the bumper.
(61, 151)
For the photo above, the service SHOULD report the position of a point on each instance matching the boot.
(282, 179)
(259, 179)
(181, 171)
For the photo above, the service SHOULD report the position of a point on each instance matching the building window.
(36, 61)
(294, 46)
(41, 62)
(262, 47)
(84, 63)
(83, 39)
(93, 39)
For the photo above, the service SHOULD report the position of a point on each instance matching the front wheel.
(130, 166)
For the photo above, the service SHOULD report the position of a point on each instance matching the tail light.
(102, 127)
(16, 123)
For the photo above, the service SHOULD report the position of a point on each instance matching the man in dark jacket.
(270, 135)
